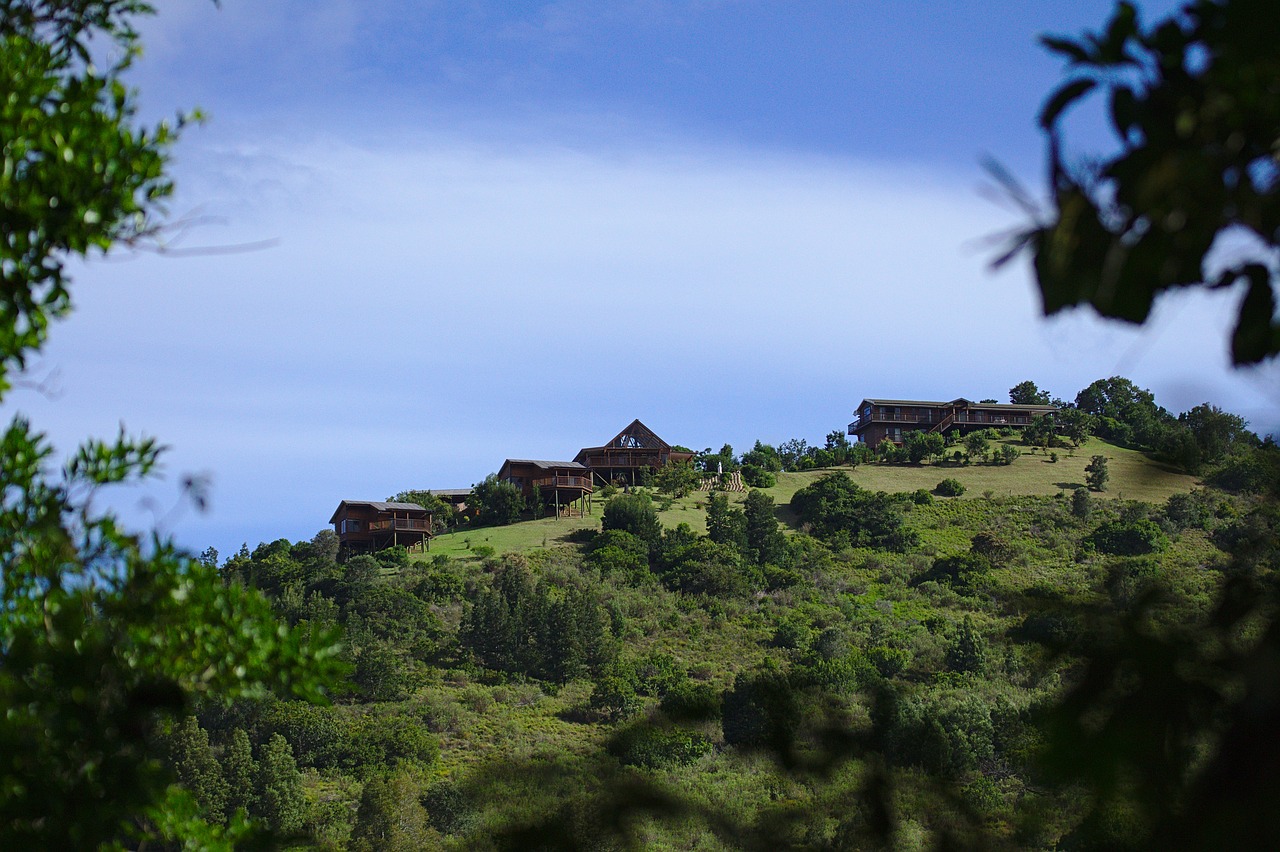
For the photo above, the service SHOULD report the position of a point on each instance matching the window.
(350, 525)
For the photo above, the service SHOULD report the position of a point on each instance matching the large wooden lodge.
(634, 448)
(887, 419)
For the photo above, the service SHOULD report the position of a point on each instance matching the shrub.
(949, 488)
(1007, 454)
(1129, 538)
(654, 748)
(758, 477)
(921, 497)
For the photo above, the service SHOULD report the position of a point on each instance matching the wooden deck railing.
(564, 481)
(401, 525)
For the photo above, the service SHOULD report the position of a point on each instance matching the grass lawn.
(1134, 476)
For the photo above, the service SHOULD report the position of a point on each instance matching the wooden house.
(364, 526)
(563, 484)
(634, 448)
(887, 419)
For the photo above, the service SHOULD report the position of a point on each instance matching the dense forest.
(839, 667)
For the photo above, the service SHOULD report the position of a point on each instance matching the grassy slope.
(1134, 476)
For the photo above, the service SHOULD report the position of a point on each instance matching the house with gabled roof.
(564, 485)
(888, 419)
(364, 526)
(634, 448)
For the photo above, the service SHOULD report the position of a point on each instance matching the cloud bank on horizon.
(519, 267)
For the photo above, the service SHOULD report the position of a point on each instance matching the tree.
(496, 502)
(976, 444)
(1096, 473)
(1193, 109)
(1216, 432)
(726, 525)
(919, 445)
(391, 818)
(633, 513)
(676, 478)
(765, 543)
(104, 634)
(240, 769)
(197, 769)
(280, 802)
(1026, 393)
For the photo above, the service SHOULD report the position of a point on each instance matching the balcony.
(401, 525)
(582, 483)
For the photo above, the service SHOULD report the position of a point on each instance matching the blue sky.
(488, 230)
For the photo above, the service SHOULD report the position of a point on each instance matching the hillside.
(544, 683)
(1134, 476)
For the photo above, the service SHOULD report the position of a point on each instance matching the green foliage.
(633, 513)
(726, 525)
(616, 551)
(1026, 393)
(391, 817)
(765, 543)
(758, 477)
(977, 444)
(1080, 503)
(1007, 454)
(918, 445)
(709, 568)
(495, 502)
(522, 627)
(840, 512)
(1191, 110)
(280, 801)
(949, 488)
(1096, 473)
(651, 747)
(676, 478)
(443, 514)
(764, 457)
(1129, 538)
(761, 710)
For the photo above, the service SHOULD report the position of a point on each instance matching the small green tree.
(765, 543)
(241, 772)
(496, 502)
(280, 802)
(1080, 503)
(976, 444)
(1096, 473)
(633, 513)
(197, 769)
(676, 478)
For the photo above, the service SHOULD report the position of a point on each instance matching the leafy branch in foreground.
(1193, 109)
(104, 634)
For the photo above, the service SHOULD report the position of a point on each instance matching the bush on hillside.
(1129, 538)
(949, 488)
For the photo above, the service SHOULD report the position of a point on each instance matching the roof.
(960, 401)
(543, 464)
(449, 492)
(379, 505)
(636, 436)
(930, 402)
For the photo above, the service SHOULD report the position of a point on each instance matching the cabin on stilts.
(364, 526)
(632, 450)
(562, 485)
